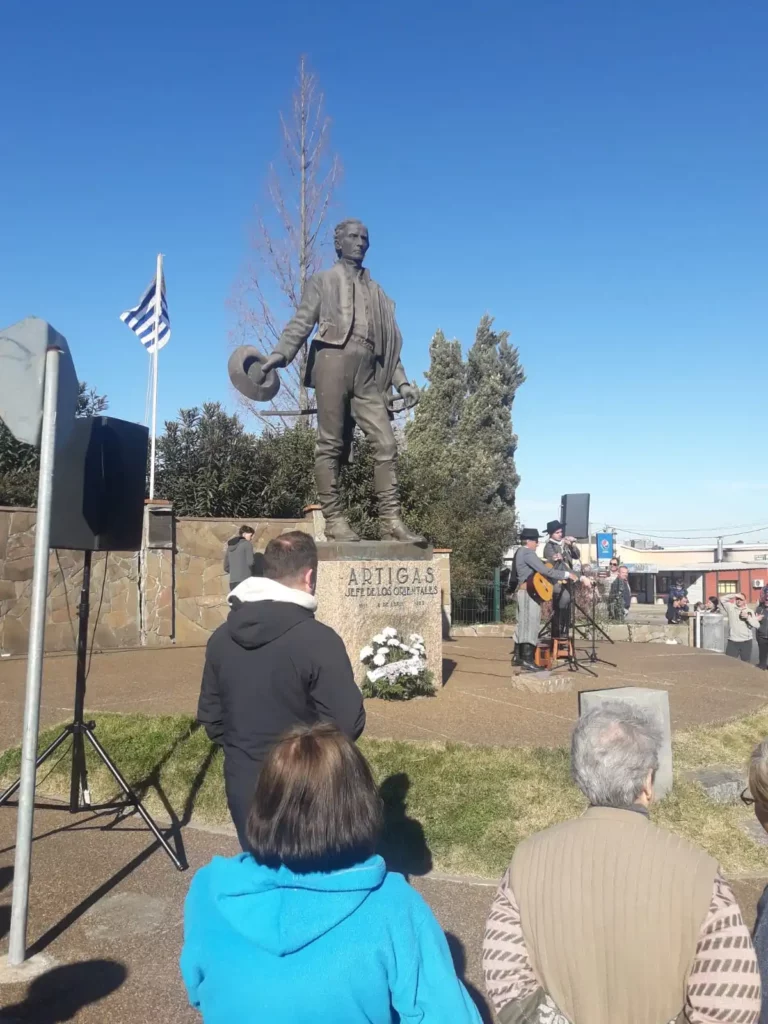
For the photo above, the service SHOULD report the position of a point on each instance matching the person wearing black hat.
(525, 563)
(562, 552)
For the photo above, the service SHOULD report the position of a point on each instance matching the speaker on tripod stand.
(98, 505)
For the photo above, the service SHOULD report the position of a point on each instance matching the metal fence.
(487, 602)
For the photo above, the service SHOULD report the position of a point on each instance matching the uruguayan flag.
(141, 319)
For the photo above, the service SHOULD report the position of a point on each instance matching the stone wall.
(114, 592)
(201, 585)
(155, 598)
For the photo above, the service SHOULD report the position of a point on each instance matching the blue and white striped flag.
(141, 319)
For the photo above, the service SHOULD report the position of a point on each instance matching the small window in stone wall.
(727, 587)
(160, 529)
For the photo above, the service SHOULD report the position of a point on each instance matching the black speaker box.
(99, 486)
(574, 515)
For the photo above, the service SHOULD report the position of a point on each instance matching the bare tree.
(290, 239)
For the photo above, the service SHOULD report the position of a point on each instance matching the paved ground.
(107, 905)
(477, 704)
(120, 922)
(115, 930)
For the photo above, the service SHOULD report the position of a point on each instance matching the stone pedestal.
(655, 702)
(364, 587)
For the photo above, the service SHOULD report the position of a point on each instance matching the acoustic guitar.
(539, 587)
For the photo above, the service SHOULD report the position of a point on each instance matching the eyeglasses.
(747, 798)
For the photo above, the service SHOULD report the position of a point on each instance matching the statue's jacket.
(328, 301)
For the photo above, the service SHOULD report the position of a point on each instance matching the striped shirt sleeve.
(724, 983)
(508, 972)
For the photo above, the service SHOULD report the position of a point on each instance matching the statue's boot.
(391, 525)
(336, 526)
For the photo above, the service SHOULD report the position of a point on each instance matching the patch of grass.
(718, 828)
(467, 807)
(730, 743)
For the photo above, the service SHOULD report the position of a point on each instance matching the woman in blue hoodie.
(311, 927)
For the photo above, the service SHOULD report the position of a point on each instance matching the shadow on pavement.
(449, 667)
(456, 947)
(403, 844)
(152, 780)
(5, 922)
(59, 994)
(6, 877)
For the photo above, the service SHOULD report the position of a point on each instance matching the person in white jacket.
(741, 625)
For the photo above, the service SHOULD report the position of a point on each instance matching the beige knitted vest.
(611, 908)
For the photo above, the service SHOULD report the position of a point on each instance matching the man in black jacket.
(271, 666)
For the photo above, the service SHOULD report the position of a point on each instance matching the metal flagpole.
(158, 314)
(20, 905)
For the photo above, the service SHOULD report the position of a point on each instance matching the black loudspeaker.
(574, 515)
(99, 486)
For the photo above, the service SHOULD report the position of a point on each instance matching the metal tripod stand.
(80, 730)
(585, 631)
(592, 656)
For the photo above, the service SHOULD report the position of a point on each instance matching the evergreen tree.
(205, 464)
(457, 471)
(209, 465)
(284, 471)
(20, 463)
(493, 376)
(442, 401)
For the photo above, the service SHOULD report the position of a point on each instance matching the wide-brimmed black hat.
(245, 372)
(553, 526)
(529, 533)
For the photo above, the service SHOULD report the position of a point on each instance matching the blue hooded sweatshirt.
(359, 946)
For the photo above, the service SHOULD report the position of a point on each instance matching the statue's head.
(350, 239)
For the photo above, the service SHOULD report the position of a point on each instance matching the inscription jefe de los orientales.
(388, 581)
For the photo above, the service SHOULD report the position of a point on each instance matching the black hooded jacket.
(269, 667)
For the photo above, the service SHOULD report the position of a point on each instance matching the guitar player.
(561, 552)
(526, 563)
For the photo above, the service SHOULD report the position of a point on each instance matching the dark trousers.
(739, 649)
(240, 789)
(345, 385)
(561, 610)
(762, 646)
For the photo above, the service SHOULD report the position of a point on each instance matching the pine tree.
(442, 402)
(427, 464)
(457, 472)
(494, 374)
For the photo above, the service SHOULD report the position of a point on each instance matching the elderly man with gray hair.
(608, 918)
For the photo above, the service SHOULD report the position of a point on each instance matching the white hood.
(259, 588)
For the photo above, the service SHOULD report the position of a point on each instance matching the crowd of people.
(600, 919)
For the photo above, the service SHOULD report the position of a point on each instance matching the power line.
(680, 536)
(707, 531)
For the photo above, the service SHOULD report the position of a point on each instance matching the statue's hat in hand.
(246, 374)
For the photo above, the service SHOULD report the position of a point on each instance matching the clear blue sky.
(593, 174)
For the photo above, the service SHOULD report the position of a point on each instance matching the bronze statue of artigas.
(355, 368)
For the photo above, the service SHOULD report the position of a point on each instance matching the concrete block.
(755, 831)
(654, 701)
(722, 785)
